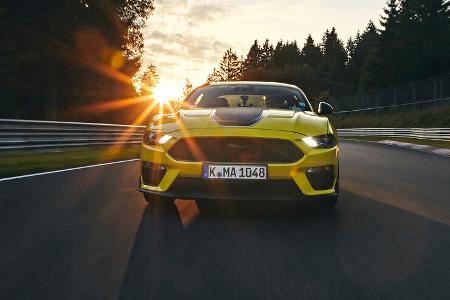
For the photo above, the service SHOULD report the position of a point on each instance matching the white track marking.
(68, 170)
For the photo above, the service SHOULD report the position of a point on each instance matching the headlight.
(164, 139)
(155, 138)
(151, 137)
(321, 141)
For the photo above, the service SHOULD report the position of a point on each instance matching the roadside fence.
(417, 95)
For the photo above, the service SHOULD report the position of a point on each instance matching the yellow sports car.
(242, 141)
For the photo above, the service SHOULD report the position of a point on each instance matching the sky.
(186, 39)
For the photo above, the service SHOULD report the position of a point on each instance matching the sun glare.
(162, 95)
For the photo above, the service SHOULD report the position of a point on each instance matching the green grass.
(16, 164)
(437, 144)
(438, 117)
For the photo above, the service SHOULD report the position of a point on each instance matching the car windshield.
(248, 96)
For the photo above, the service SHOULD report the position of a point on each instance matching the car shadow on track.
(154, 252)
(365, 249)
(161, 264)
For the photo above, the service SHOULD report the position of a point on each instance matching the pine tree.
(293, 53)
(436, 33)
(215, 76)
(311, 53)
(275, 61)
(230, 68)
(146, 80)
(253, 59)
(424, 33)
(266, 54)
(333, 65)
(40, 55)
(414, 43)
(383, 67)
(286, 54)
(351, 45)
(360, 49)
(187, 89)
(390, 20)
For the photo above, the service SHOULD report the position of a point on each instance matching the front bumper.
(278, 190)
(286, 181)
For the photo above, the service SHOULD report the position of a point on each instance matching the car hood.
(306, 123)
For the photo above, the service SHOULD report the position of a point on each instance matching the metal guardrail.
(33, 135)
(26, 134)
(441, 134)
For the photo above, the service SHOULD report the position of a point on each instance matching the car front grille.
(235, 150)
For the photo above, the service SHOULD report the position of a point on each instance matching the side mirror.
(325, 109)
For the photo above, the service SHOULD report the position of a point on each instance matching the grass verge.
(437, 144)
(16, 164)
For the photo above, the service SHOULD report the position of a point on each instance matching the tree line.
(412, 43)
(59, 58)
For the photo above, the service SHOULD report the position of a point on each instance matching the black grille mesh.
(235, 150)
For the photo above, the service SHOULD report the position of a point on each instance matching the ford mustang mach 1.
(242, 141)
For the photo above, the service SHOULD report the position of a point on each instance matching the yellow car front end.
(295, 153)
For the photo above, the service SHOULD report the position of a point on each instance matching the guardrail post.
(51, 110)
(377, 102)
(394, 90)
(363, 102)
(413, 87)
(435, 85)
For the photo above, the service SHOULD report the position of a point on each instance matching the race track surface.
(88, 234)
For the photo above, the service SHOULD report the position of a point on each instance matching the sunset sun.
(162, 95)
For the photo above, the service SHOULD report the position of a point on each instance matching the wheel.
(158, 200)
(330, 204)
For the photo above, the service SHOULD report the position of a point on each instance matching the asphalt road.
(88, 234)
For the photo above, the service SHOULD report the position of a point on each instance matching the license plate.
(256, 172)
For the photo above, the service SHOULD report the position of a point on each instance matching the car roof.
(278, 84)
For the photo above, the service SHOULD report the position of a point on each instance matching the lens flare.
(161, 94)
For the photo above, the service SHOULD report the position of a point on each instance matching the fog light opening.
(321, 178)
(152, 174)
(314, 170)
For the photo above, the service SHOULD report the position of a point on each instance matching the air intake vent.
(236, 150)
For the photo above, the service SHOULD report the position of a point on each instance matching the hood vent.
(238, 116)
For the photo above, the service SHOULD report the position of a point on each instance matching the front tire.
(330, 204)
(158, 200)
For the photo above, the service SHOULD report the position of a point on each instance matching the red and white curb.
(423, 148)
